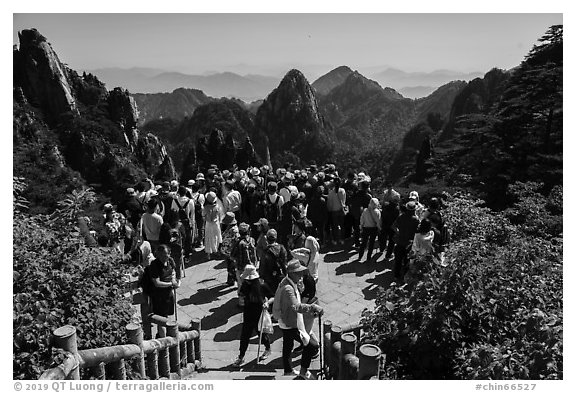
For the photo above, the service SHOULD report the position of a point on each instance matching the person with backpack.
(243, 253)
(184, 208)
(273, 263)
(198, 199)
(370, 222)
(272, 205)
(405, 228)
(229, 238)
(165, 274)
(172, 234)
(258, 296)
(165, 200)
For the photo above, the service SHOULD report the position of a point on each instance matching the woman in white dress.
(212, 218)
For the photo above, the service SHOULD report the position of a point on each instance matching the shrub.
(57, 281)
(495, 312)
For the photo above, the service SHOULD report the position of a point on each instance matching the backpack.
(244, 255)
(272, 210)
(184, 219)
(145, 282)
(436, 218)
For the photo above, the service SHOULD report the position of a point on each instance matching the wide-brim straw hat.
(229, 219)
(250, 273)
(294, 266)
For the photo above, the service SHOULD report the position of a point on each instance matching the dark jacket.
(359, 202)
(273, 265)
(405, 226)
(317, 210)
(390, 213)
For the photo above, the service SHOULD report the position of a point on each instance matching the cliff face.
(95, 130)
(289, 121)
(42, 76)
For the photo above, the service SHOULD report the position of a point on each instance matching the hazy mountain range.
(251, 87)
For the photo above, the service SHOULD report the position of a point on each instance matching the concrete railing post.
(65, 338)
(197, 325)
(327, 328)
(369, 356)
(172, 331)
(348, 361)
(136, 336)
(163, 361)
(335, 349)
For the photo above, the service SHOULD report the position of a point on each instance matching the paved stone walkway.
(345, 288)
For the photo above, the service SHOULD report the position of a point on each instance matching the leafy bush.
(57, 281)
(495, 312)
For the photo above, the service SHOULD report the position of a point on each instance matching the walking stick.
(175, 305)
(260, 337)
(321, 374)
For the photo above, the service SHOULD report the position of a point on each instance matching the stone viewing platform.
(345, 288)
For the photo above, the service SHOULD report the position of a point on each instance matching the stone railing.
(174, 354)
(343, 359)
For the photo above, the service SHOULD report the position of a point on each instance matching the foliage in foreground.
(494, 313)
(58, 281)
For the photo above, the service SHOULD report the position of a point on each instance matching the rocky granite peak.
(42, 76)
(289, 121)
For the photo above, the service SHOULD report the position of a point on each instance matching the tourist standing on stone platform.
(337, 208)
(405, 228)
(370, 222)
(273, 263)
(288, 309)
(257, 296)
(229, 238)
(165, 274)
(151, 224)
(212, 233)
(317, 213)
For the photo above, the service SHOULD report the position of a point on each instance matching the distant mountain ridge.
(225, 84)
(420, 84)
(177, 105)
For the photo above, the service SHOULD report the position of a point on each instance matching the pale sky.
(262, 43)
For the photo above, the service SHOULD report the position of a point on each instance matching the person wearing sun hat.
(212, 233)
(405, 228)
(288, 309)
(257, 296)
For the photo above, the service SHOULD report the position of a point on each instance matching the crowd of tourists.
(269, 226)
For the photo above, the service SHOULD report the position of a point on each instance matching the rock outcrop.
(288, 121)
(92, 131)
(41, 75)
(329, 81)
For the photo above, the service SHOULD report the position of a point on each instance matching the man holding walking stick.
(288, 309)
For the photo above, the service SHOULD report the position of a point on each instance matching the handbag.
(265, 324)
